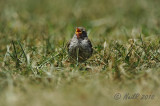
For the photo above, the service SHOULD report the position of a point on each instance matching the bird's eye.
(83, 31)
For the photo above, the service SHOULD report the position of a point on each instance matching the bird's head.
(80, 32)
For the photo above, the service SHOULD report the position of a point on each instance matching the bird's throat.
(78, 36)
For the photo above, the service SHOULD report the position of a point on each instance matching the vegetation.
(34, 66)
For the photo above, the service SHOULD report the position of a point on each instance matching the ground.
(34, 66)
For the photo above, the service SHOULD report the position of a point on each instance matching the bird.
(80, 47)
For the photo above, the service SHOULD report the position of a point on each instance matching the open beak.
(78, 32)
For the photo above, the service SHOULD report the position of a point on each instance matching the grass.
(34, 66)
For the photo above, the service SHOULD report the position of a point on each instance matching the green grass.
(34, 66)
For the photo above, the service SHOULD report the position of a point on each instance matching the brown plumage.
(80, 47)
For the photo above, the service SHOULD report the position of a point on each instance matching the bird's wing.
(90, 44)
(67, 45)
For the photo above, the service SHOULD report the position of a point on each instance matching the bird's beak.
(78, 32)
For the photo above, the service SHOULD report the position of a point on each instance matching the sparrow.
(80, 47)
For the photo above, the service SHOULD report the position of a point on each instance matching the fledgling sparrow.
(80, 47)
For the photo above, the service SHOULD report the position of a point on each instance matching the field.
(123, 70)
